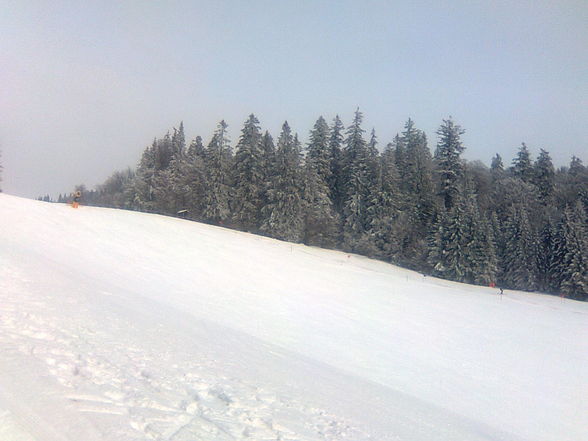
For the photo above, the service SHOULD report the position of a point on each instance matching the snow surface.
(124, 326)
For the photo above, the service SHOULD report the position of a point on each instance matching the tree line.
(522, 226)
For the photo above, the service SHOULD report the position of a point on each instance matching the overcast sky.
(85, 86)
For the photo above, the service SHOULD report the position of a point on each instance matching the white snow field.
(124, 326)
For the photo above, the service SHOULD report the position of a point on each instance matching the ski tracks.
(131, 392)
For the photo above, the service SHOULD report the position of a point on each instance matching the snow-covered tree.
(336, 182)
(356, 175)
(318, 151)
(544, 176)
(448, 161)
(144, 182)
(218, 158)
(386, 207)
(462, 247)
(497, 168)
(196, 148)
(574, 265)
(320, 219)
(520, 252)
(522, 166)
(249, 177)
(283, 216)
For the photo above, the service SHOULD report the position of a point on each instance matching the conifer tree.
(414, 164)
(574, 265)
(386, 207)
(546, 263)
(163, 152)
(463, 247)
(416, 173)
(269, 155)
(144, 183)
(544, 176)
(249, 177)
(283, 215)
(373, 155)
(520, 254)
(196, 148)
(481, 247)
(400, 157)
(447, 253)
(321, 226)
(522, 166)
(167, 193)
(577, 182)
(356, 177)
(318, 151)
(320, 220)
(268, 160)
(336, 182)
(171, 191)
(193, 179)
(448, 161)
(218, 166)
(178, 141)
(497, 168)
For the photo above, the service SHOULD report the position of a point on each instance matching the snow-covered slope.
(125, 326)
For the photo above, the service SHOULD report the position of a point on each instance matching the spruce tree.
(416, 174)
(447, 159)
(249, 177)
(144, 183)
(193, 180)
(448, 254)
(386, 207)
(520, 255)
(544, 177)
(319, 151)
(163, 152)
(574, 265)
(218, 166)
(283, 214)
(196, 148)
(356, 175)
(481, 247)
(374, 184)
(463, 248)
(178, 141)
(269, 155)
(497, 168)
(336, 181)
(546, 263)
(522, 166)
(417, 203)
(268, 165)
(320, 219)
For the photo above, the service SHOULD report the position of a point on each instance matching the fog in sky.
(86, 86)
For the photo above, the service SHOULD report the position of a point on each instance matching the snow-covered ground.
(124, 326)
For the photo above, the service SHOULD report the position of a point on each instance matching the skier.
(76, 199)
(501, 291)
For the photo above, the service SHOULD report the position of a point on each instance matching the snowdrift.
(125, 326)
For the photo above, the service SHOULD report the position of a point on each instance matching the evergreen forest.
(520, 225)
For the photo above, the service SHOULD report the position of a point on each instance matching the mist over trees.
(522, 226)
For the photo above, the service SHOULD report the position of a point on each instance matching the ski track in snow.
(122, 381)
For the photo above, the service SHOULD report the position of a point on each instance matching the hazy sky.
(85, 86)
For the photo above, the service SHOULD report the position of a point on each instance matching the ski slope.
(125, 326)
